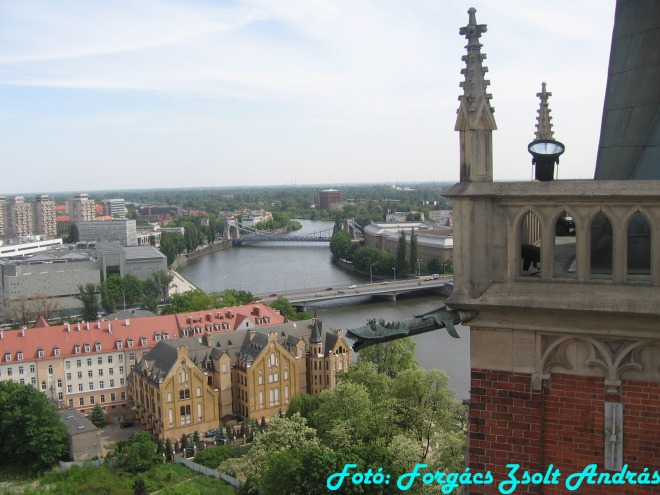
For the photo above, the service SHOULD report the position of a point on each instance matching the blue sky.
(129, 94)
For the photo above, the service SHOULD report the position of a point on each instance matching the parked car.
(126, 424)
(211, 433)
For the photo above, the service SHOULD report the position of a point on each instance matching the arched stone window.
(529, 231)
(601, 247)
(565, 247)
(638, 248)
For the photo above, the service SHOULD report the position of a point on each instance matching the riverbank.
(182, 259)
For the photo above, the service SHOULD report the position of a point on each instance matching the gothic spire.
(543, 121)
(475, 112)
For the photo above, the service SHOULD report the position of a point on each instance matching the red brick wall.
(562, 425)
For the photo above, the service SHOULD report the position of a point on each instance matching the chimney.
(68, 327)
(78, 326)
(109, 327)
(22, 331)
(209, 316)
(2, 333)
(87, 326)
(98, 324)
(128, 322)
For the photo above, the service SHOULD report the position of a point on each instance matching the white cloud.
(311, 72)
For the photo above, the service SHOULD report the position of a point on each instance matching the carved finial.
(543, 121)
(475, 100)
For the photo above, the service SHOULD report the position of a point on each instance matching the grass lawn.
(165, 479)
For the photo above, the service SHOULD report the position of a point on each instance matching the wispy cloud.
(310, 66)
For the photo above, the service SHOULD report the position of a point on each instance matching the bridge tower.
(231, 228)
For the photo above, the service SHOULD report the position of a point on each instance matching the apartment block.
(84, 364)
(44, 215)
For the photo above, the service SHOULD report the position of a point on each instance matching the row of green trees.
(124, 291)
(198, 300)
(385, 413)
(368, 259)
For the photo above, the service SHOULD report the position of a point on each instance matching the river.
(264, 268)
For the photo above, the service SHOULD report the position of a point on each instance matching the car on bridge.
(352, 286)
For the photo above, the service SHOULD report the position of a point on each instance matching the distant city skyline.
(171, 94)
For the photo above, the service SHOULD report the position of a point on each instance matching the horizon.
(164, 94)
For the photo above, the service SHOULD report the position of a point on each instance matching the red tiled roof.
(63, 218)
(41, 322)
(107, 333)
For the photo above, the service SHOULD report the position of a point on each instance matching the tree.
(434, 265)
(401, 261)
(424, 403)
(163, 279)
(340, 245)
(107, 299)
(391, 357)
(132, 289)
(138, 454)
(33, 436)
(139, 487)
(98, 416)
(72, 234)
(168, 449)
(367, 257)
(347, 404)
(87, 296)
(287, 310)
(414, 251)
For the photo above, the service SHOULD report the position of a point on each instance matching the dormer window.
(76, 349)
(40, 353)
(165, 336)
(97, 346)
(56, 351)
(143, 341)
(130, 342)
(7, 356)
(19, 355)
(157, 337)
(120, 344)
(87, 348)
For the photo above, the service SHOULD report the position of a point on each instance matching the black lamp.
(545, 153)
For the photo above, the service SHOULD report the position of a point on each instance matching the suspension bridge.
(239, 233)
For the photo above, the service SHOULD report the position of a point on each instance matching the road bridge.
(386, 290)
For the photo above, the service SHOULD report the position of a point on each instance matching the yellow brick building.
(189, 384)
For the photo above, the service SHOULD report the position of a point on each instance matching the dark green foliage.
(139, 487)
(340, 245)
(138, 454)
(391, 358)
(402, 267)
(285, 308)
(72, 235)
(212, 456)
(98, 416)
(414, 253)
(168, 449)
(87, 295)
(171, 245)
(33, 436)
(303, 404)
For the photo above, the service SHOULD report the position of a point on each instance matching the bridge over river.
(385, 290)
